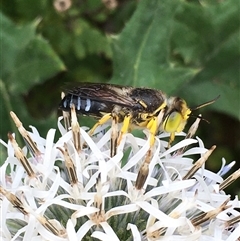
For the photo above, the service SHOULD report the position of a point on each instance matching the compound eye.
(172, 122)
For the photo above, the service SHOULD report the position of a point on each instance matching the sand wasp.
(134, 107)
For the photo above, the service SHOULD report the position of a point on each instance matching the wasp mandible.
(134, 107)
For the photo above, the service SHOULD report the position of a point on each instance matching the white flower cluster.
(52, 191)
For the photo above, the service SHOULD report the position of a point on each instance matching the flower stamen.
(21, 157)
(196, 221)
(198, 164)
(229, 180)
(75, 129)
(71, 169)
(14, 200)
(26, 137)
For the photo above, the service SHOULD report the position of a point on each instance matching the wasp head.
(176, 114)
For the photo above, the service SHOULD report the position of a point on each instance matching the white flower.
(76, 191)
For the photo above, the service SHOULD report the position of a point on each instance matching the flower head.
(72, 189)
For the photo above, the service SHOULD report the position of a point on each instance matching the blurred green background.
(185, 48)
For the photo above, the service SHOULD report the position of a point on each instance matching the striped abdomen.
(85, 106)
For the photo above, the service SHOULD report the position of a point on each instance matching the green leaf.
(142, 52)
(89, 40)
(182, 48)
(228, 102)
(28, 58)
(217, 52)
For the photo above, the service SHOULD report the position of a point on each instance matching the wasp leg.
(171, 139)
(102, 121)
(125, 127)
(114, 134)
(153, 127)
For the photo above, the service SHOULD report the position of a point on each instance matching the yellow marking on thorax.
(163, 105)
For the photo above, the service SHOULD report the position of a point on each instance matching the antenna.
(204, 104)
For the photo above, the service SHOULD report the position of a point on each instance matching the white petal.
(109, 231)
(175, 186)
(137, 157)
(3, 169)
(101, 236)
(61, 128)
(91, 144)
(212, 176)
(3, 143)
(64, 139)
(134, 142)
(177, 146)
(30, 228)
(18, 176)
(82, 211)
(72, 236)
(116, 193)
(10, 149)
(158, 214)
(84, 229)
(179, 160)
(48, 161)
(235, 234)
(225, 168)
(104, 139)
(195, 150)
(19, 233)
(46, 235)
(59, 202)
(121, 210)
(135, 232)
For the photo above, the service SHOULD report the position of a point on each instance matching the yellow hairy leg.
(125, 127)
(171, 139)
(102, 121)
(153, 127)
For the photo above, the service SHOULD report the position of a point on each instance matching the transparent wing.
(115, 94)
